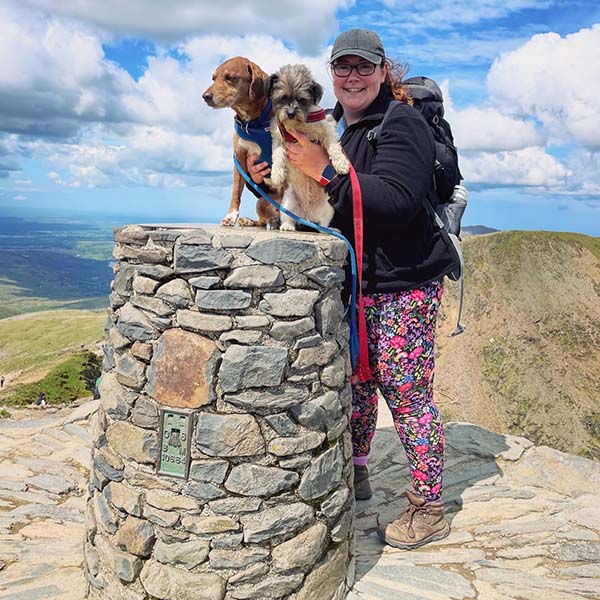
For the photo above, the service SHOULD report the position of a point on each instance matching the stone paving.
(525, 519)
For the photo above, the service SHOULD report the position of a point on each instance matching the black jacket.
(403, 249)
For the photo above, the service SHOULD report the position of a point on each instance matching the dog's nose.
(207, 97)
(291, 114)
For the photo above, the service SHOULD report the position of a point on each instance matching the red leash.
(363, 371)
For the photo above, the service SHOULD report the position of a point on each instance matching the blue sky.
(101, 109)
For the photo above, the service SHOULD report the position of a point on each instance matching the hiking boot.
(362, 489)
(422, 522)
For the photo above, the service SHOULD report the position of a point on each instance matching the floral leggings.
(401, 328)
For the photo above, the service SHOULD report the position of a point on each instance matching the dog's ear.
(317, 92)
(269, 83)
(257, 84)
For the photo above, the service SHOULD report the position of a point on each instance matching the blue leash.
(354, 351)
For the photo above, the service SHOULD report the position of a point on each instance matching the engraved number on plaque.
(175, 432)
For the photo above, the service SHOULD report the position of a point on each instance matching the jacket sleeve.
(401, 173)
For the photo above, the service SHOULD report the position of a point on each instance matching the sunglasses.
(344, 69)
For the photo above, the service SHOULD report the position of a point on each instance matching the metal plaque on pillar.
(175, 443)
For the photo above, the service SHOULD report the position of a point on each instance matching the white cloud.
(531, 167)
(556, 80)
(443, 14)
(23, 182)
(308, 23)
(54, 79)
(20, 197)
(487, 129)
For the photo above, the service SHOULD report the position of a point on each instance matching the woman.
(405, 259)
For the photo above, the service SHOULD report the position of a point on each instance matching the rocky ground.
(525, 519)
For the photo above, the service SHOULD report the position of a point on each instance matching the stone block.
(252, 366)
(275, 401)
(131, 372)
(326, 276)
(325, 580)
(274, 586)
(252, 321)
(114, 399)
(136, 536)
(287, 330)
(198, 236)
(285, 446)
(236, 559)
(166, 501)
(202, 491)
(318, 356)
(321, 413)
(329, 313)
(208, 525)
(255, 480)
(206, 282)
(223, 299)
(235, 506)
(105, 516)
(145, 413)
(332, 506)
(276, 521)
(281, 250)
(132, 442)
(142, 350)
(203, 322)
(188, 554)
(182, 369)
(334, 375)
(125, 498)
(163, 518)
(212, 471)
(175, 292)
(196, 259)
(127, 566)
(239, 336)
(291, 303)
(144, 285)
(302, 551)
(152, 304)
(255, 276)
(228, 435)
(323, 475)
(282, 424)
(165, 583)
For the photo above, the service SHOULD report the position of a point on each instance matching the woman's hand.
(308, 157)
(259, 171)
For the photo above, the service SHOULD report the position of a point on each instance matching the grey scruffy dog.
(295, 96)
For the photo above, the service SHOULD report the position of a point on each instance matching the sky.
(101, 108)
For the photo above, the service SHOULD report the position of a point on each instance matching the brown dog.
(239, 84)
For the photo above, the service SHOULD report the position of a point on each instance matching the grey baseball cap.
(361, 42)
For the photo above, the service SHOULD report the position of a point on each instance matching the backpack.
(448, 201)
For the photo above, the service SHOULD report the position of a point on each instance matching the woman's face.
(356, 92)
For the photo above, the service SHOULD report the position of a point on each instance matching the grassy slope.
(528, 362)
(34, 343)
(72, 379)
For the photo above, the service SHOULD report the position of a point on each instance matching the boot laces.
(409, 515)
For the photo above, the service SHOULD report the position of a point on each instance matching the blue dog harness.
(258, 131)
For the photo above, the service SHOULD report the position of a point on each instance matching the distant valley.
(53, 264)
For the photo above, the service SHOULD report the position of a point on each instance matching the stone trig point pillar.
(222, 461)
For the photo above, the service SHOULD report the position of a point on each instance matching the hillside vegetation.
(529, 361)
(32, 344)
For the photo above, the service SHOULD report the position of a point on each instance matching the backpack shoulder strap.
(374, 134)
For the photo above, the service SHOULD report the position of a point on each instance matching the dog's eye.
(230, 78)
